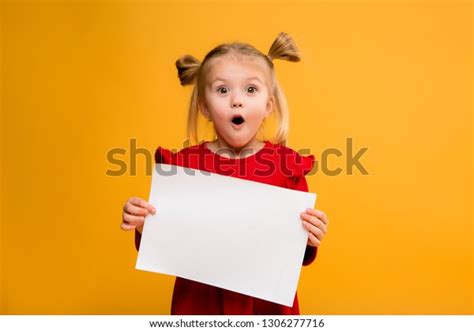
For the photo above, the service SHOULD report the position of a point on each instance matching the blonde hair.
(190, 71)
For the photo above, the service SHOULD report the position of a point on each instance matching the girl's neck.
(220, 147)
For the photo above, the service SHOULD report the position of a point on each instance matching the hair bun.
(188, 67)
(284, 48)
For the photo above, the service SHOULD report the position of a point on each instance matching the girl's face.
(237, 99)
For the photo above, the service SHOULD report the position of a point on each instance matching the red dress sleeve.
(299, 167)
(164, 156)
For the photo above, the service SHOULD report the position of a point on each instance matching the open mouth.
(237, 120)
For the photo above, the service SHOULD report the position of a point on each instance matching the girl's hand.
(134, 212)
(316, 222)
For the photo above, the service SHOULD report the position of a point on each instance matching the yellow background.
(82, 77)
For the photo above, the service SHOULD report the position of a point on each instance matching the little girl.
(236, 89)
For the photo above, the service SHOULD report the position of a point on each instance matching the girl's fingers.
(314, 221)
(134, 210)
(133, 220)
(127, 227)
(313, 240)
(319, 214)
(314, 230)
(142, 203)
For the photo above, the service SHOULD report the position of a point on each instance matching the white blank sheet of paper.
(232, 233)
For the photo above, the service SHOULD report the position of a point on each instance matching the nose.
(236, 104)
(236, 100)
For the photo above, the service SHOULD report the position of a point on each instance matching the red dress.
(274, 164)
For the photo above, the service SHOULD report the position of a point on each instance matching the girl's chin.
(236, 139)
(237, 143)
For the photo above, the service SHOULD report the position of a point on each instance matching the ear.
(203, 109)
(270, 106)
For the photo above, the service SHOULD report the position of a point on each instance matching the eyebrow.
(222, 79)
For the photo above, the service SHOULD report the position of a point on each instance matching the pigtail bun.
(284, 48)
(188, 68)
